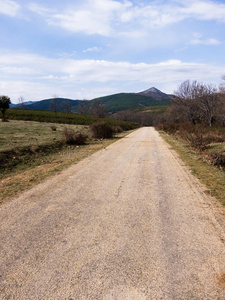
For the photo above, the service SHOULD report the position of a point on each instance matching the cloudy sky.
(82, 49)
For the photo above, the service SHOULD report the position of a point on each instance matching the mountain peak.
(152, 90)
(155, 93)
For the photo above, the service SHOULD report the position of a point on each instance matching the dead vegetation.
(32, 151)
(102, 130)
(200, 138)
(72, 137)
(197, 117)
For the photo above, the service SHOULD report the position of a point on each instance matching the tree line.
(193, 102)
(95, 109)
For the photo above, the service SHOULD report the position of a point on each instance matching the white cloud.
(94, 17)
(19, 70)
(67, 55)
(210, 41)
(92, 49)
(200, 40)
(112, 17)
(29, 90)
(9, 7)
(41, 10)
(205, 10)
(37, 77)
(81, 21)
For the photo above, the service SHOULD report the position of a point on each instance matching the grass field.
(31, 152)
(64, 118)
(16, 134)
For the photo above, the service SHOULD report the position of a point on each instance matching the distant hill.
(45, 104)
(124, 101)
(19, 104)
(113, 103)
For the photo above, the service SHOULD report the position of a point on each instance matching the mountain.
(113, 103)
(12, 105)
(45, 104)
(124, 101)
(155, 93)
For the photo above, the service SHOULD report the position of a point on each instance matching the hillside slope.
(45, 104)
(124, 101)
(113, 103)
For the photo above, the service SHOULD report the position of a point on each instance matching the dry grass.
(39, 167)
(211, 176)
(216, 148)
(14, 134)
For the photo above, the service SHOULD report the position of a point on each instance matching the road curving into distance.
(129, 222)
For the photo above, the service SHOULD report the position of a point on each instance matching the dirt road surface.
(129, 222)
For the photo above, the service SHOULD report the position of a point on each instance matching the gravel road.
(129, 222)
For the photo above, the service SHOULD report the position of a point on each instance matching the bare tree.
(54, 105)
(124, 115)
(221, 100)
(142, 117)
(83, 108)
(98, 110)
(66, 107)
(184, 105)
(195, 102)
(208, 103)
(21, 102)
(222, 86)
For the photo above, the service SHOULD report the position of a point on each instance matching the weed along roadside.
(212, 176)
(32, 151)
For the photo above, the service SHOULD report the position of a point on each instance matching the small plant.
(169, 128)
(197, 138)
(53, 127)
(102, 130)
(216, 136)
(217, 159)
(80, 139)
(72, 137)
(117, 129)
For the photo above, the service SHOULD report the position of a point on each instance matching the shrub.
(117, 129)
(102, 130)
(217, 159)
(80, 139)
(200, 137)
(216, 136)
(169, 128)
(73, 138)
(196, 138)
(53, 127)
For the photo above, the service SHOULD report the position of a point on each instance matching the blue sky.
(82, 49)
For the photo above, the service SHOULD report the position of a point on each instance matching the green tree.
(4, 105)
